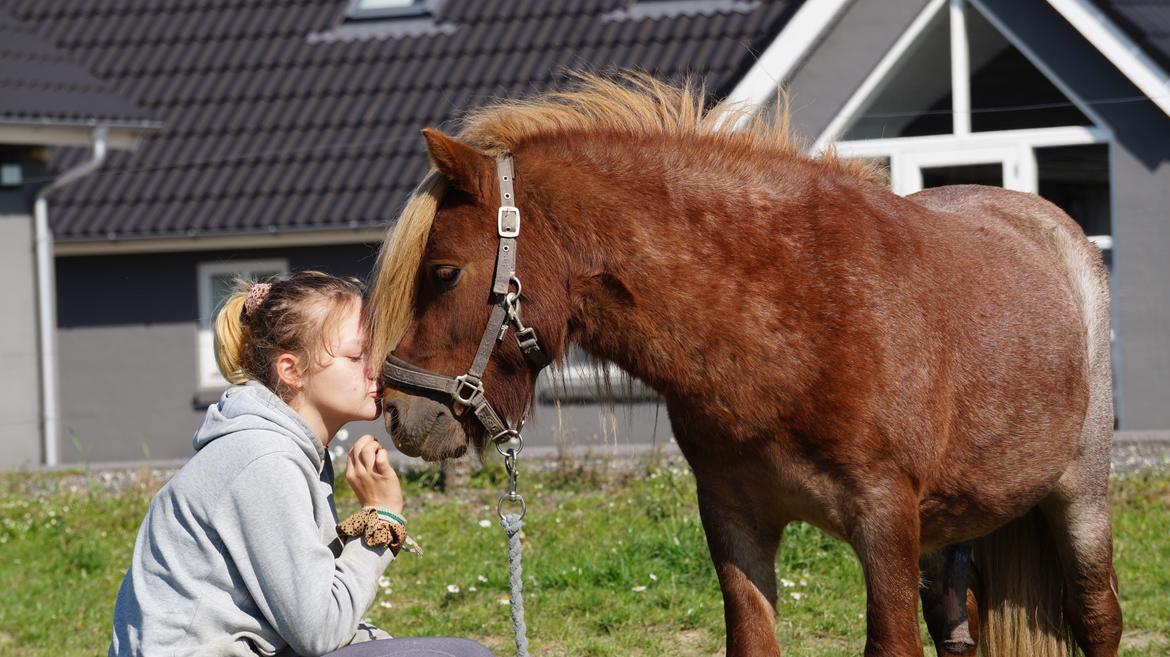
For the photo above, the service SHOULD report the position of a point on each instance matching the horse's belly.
(968, 503)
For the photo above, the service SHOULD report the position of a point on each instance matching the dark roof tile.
(40, 82)
(268, 128)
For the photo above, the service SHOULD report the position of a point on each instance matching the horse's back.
(1043, 224)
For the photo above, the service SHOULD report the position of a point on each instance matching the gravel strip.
(1129, 458)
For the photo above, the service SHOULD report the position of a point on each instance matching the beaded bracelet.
(385, 513)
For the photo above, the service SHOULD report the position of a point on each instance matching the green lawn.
(615, 564)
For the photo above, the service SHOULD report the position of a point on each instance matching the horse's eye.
(445, 275)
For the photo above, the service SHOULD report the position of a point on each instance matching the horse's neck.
(672, 283)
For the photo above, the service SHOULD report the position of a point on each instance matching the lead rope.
(512, 522)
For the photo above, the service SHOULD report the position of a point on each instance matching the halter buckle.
(526, 338)
(466, 389)
(508, 221)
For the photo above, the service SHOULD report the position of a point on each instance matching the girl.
(239, 553)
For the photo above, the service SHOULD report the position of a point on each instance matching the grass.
(614, 564)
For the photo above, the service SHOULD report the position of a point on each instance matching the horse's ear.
(465, 167)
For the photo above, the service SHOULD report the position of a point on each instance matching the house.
(291, 141)
(1066, 98)
(47, 101)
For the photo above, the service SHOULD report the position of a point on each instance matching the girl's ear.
(466, 168)
(288, 371)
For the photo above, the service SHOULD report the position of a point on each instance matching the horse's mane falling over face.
(628, 103)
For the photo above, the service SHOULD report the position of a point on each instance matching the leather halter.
(467, 390)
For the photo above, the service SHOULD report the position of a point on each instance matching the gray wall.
(129, 360)
(1141, 221)
(19, 378)
(1141, 175)
(20, 441)
(127, 336)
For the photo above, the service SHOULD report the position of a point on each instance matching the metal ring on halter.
(513, 442)
(512, 299)
(511, 498)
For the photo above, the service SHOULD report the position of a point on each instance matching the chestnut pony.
(921, 377)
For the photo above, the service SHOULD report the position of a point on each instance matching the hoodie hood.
(253, 407)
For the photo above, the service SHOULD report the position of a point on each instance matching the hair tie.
(256, 295)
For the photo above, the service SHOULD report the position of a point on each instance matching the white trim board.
(32, 134)
(222, 242)
(1118, 48)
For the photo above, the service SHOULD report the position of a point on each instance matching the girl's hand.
(369, 474)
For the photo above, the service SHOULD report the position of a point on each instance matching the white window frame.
(209, 375)
(411, 8)
(1015, 149)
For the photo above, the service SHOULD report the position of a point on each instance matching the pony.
(926, 378)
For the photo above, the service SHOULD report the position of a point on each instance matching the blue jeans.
(429, 646)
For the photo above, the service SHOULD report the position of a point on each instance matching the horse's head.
(434, 289)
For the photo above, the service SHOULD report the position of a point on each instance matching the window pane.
(1076, 178)
(221, 288)
(964, 174)
(1007, 91)
(383, 4)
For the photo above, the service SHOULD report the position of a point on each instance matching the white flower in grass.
(653, 577)
(472, 589)
(453, 588)
(787, 583)
(804, 582)
(504, 600)
(384, 582)
(485, 523)
(796, 595)
(638, 589)
(481, 579)
(386, 604)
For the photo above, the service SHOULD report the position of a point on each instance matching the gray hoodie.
(238, 554)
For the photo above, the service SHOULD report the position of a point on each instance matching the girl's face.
(342, 388)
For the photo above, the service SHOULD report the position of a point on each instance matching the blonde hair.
(298, 315)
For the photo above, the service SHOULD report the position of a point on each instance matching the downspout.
(47, 294)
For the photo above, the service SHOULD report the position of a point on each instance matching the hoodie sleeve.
(312, 600)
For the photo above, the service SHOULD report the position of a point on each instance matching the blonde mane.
(628, 102)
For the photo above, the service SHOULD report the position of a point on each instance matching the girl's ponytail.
(293, 313)
(231, 338)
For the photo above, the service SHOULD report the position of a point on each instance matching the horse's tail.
(1019, 589)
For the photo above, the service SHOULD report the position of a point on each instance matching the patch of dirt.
(1143, 640)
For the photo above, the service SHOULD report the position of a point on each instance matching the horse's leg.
(743, 549)
(1080, 527)
(885, 536)
(948, 604)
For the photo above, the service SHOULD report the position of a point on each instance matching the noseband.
(467, 389)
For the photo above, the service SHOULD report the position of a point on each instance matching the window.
(361, 9)
(215, 284)
(578, 380)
